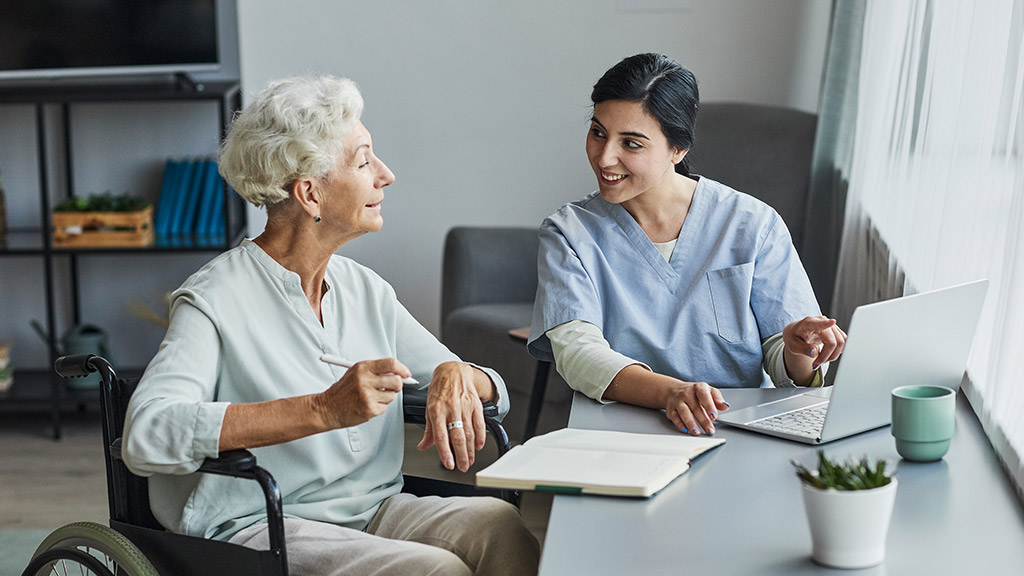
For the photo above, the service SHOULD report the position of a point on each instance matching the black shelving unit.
(43, 388)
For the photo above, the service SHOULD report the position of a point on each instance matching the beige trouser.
(411, 535)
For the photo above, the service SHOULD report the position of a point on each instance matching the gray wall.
(478, 106)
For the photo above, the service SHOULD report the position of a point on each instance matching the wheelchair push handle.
(80, 365)
(74, 366)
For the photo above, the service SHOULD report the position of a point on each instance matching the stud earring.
(317, 219)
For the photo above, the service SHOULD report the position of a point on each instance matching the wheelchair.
(135, 544)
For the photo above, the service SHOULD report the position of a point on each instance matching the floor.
(45, 483)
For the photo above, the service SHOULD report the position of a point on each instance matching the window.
(937, 172)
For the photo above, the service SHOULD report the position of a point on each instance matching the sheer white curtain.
(938, 175)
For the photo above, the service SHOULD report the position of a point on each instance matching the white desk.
(738, 510)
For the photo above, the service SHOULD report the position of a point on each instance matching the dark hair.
(667, 91)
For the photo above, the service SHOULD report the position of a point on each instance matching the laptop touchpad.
(825, 392)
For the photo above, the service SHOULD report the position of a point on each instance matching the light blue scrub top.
(733, 280)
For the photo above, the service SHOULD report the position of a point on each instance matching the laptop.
(920, 339)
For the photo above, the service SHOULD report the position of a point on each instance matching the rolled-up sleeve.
(173, 422)
(585, 359)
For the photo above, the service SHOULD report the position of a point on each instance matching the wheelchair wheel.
(88, 548)
(66, 561)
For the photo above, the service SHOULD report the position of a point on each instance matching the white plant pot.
(849, 527)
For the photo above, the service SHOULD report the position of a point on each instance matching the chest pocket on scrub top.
(730, 297)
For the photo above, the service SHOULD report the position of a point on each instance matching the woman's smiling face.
(355, 189)
(628, 151)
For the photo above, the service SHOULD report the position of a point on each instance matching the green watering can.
(82, 339)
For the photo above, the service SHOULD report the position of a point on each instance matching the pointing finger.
(813, 325)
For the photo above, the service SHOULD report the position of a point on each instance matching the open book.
(575, 461)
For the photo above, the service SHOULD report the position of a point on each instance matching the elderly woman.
(239, 368)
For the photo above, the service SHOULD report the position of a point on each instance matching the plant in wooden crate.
(103, 220)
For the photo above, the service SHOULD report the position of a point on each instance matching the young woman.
(662, 286)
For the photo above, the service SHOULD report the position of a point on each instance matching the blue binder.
(182, 200)
(168, 196)
(194, 191)
(208, 198)
(215, 227)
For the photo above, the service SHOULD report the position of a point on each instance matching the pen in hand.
(339, 361)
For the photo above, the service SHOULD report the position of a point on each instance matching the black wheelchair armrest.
(238, 463)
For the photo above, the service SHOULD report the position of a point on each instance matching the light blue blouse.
(242, 331)
(733, 280)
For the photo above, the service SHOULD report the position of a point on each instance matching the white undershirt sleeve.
(775, 364)
(585, 359)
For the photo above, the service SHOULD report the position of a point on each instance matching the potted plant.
(848, 506)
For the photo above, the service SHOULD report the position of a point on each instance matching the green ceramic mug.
(923, 420)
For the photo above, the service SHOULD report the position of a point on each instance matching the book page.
(629, 442)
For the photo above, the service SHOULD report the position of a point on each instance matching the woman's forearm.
(273, 422)
(691, 406)
(637, 385)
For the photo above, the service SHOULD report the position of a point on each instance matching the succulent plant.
(850, 475)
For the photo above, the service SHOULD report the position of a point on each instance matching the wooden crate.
(103, 229)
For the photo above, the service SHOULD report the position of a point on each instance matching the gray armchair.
(489, 281)
(764, 151)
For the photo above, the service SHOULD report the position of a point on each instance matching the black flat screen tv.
(69, 38)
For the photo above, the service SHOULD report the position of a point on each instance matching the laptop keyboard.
(803, 422)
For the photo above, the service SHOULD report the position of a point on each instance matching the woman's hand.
(811, 342)
(363, 392)
(692, 406)
(455, 415)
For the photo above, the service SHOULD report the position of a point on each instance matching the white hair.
(293, 129)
